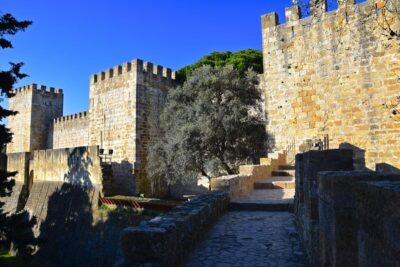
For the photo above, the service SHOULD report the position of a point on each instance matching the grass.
(9, 260)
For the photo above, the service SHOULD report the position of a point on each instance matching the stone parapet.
(338, 221)
(149, 69)
(307, 166)
(167, 239)
(378, 216)
(344, 215)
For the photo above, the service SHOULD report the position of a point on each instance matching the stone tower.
(331, 76)
(32, 126)
(125, 104)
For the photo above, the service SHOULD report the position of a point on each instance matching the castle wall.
(17, 162)
(70, 131)
(37, 107)
(333, 74)
(112, 120)
(20, 124)
(151, 94)
(78, 166)
(125, 103)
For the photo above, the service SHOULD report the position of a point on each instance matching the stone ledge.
(167, 239)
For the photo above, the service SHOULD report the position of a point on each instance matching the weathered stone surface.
(332, 74)
(124, 108)
(71, 131)
(251, 239)
(167, 239)
(243, 183)
(37, 108)
(125, 104)
(78, 166)
(338, 221)
(379, 223)
(308, 165)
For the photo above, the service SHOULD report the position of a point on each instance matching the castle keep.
(124, 107)
(331, 76)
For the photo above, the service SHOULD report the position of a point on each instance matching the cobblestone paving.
(251, 239)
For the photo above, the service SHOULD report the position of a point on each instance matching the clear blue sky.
(72, 39)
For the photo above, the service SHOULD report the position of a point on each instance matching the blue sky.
(70, 40)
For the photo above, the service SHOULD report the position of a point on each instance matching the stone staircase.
(281, 179)
(275, 193)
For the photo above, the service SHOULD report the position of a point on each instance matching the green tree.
(15, 229)
(212, 124)
(241, 60)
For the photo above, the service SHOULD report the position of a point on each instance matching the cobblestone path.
(251, 239)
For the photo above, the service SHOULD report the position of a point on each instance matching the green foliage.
(212, 124)
(242, 61)
(15, 229)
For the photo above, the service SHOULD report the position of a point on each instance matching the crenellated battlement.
(76, 116)
(42, 89)
(319, 8)
(148, 68)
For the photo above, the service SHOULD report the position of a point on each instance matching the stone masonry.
(333, 74)
(37, 107)
(124, 108)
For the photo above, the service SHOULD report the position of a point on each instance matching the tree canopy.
(212, 124)
(15, 229)
(241, 60)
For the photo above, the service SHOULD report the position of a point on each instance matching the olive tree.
(212, 124)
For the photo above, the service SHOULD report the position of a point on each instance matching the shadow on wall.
(270, 142)
(78, 164)
(72, 235)
(387, 168)
(122, 181)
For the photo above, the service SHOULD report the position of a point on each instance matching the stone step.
(283, 173)
(286, 167)
(238, 206)
(265, 200)
(280, 182)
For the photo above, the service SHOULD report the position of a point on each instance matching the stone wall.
(306, 202)
(125, 104)
(153, 83)
(77, 166)
(243, 183)
(167, 239)
(17, 162)
(338, 219)
(37, 107)
(378, 216)
(333, 74)
(71, 131)
(335, 209)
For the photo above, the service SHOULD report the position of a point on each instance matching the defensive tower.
(32, 126)
(125, 104)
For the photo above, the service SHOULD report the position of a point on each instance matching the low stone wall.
(378, 215)
(167, 239)
(243, 183)
(338, 221)
(308, 165)
(346, 218)
(17, 162)
(78, 166)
